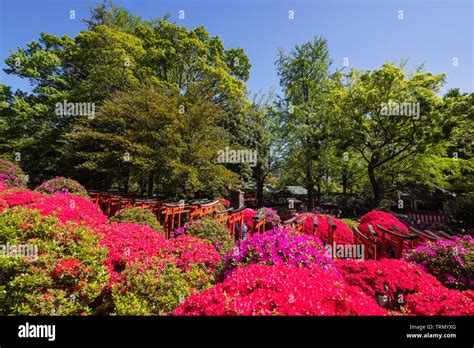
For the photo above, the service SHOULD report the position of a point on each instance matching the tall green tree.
(304, 75)
(155, 138)
(264, 140)
(395, 119)
(114, 53)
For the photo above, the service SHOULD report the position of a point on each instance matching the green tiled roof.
(297, 190)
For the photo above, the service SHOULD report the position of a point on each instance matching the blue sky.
(367, 32)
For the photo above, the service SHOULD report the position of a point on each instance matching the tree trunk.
(319, 191)
(125, 183)
(344, 181)
(376, 191)
(150, 184)
(259, 197)
(309, 169)
(309, 185)
(344, 190)
(142, 186)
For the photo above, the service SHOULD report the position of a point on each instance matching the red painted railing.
(173, 215)
(378, 243)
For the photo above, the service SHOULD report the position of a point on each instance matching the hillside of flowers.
(88, 265)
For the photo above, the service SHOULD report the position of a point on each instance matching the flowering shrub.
(66, 274)
(440, 301)
(342, 235)
(399, 285)
(70, 208)
(11, 174)
(308, 224)
(248, 217)
(385, 277)
(280, 290)
(451, 262)
(3, 204)
(187, 250)
(60, 184)
(376, 215)
(3, 186)
(279, 247)
(271, 216)
(138, 216)
(129, 243)
(213, 231)
(150, 274)
(385, 220)
(157, 289)
(21, 197)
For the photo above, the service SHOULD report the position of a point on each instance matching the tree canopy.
(145, 105)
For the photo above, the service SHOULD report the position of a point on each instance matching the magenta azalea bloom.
(11, 174)
(279, 247)
(62, 185)
(448, 260)
(71, 208)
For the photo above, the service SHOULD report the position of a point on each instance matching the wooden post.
(237, 199)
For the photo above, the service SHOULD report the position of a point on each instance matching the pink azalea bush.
(3, 186)
(379, 218)
(441, 301)
(150, 274)
(60, 184)
(375, 215)
(11, 174)
(3, 204)
(308, 224)
(400, 285)
(66, 207)
(342, 235)
(271, 216)
(188, 250)
(279, 247)
(128, 242)
(280, 290)
(451, 262)
(248, 217)
(21, 197)
(70, 208)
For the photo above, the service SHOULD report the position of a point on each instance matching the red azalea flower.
(70, 208)
(21, 197)
(280, 290)
(342, 235)
(403, 284)
(68, 266)
(132, 243)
